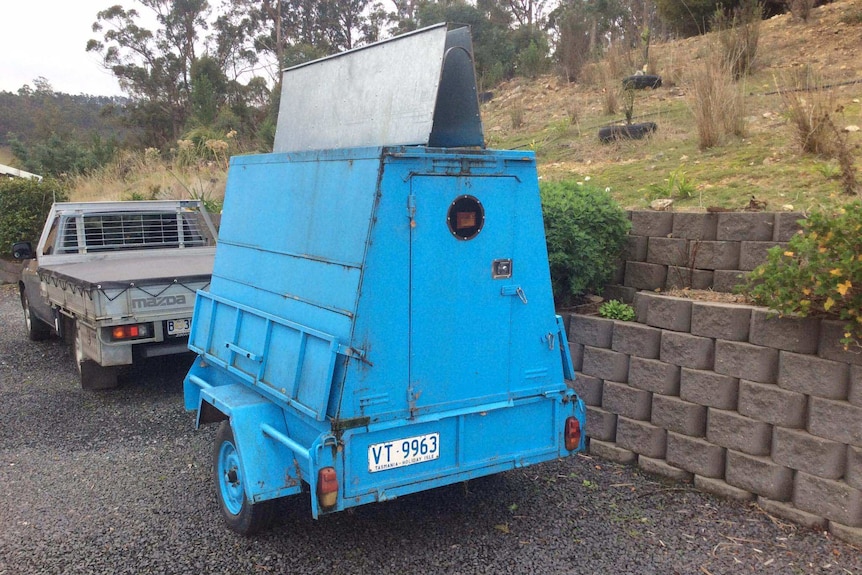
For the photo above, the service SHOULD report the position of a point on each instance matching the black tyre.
(241, 515)
(93, 376)
(642, 82)
(37, 330)
(627, 132)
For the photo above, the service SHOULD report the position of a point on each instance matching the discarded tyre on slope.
(642, 82)
(627, 132)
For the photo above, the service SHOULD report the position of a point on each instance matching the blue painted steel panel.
(343, 300)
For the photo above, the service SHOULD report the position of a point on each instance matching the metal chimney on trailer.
(380, 318)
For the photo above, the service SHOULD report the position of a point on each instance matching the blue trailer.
(380, 320)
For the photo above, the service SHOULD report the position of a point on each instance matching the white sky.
(49, 38)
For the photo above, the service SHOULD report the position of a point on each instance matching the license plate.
(179, 326)
(401, 452)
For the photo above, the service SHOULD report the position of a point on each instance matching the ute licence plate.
(179, 326)
(401, 452)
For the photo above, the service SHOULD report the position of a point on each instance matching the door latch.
(514, 290)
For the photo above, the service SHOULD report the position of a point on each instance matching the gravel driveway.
(119, 482)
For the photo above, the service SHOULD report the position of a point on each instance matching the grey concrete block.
(787, 225)
(745, 360)
(722, 489)
(661, 467)
(752, 254)
(757, 226)
(636, 340)
(851, 535)
(672, 313)
(727, 281)
(853, 475)
(667, 251)
(601, 424)
(809, 453)
(687, 350)
(769, 403)
(605, 363)
(641, 437)
(734, 431)
(831, 333)
(588, 388)
(791, 513)
(854, 393)
(797, 334)
(649, 223)
(675, 414)
(620, 293)
(695, 455)
(708, 388)
(835, 420)
(714, 255)
(635, 249)
(727, 321)
(642, 275)
(654, 375)
(695, 225)
(812, 375)
(641, 304)
(834, 500)
(576, 351)
(611, 452)
(684, 277)
(759, 475)
(627, 401)
(591, 330)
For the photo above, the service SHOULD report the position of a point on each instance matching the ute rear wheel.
(36, 329)
(240, 514)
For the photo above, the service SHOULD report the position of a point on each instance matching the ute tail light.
(327, 487)
(131, 331)
(572, 433)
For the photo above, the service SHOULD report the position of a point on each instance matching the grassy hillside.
(560, 122)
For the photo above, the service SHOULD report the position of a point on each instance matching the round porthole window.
(466, 217)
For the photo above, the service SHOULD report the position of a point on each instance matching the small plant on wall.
(819, 272)
(615, 309)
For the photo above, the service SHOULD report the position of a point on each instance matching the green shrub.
(615, 309)
(24, 205)
(585, 231)
(819, 273)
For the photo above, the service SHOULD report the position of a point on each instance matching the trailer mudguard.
(272, 464)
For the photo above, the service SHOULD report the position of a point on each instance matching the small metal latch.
(550, 339)
(514, 290)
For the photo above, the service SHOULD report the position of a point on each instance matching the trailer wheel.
(239, 513)
(36, 330)
(93, 375)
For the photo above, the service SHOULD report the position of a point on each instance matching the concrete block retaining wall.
(742, 403)
(700, 250)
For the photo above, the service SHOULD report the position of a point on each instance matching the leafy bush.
(819, 272)
(615, 309)
(585, 232)
(24, 205)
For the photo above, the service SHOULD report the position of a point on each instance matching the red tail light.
(135, 331)
(327, 487)
(572, 433)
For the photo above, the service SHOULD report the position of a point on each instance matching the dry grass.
(716, 102)
(143, 175)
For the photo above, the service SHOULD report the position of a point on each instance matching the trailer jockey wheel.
(239, 513)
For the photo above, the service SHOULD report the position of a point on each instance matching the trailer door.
(463, 286)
